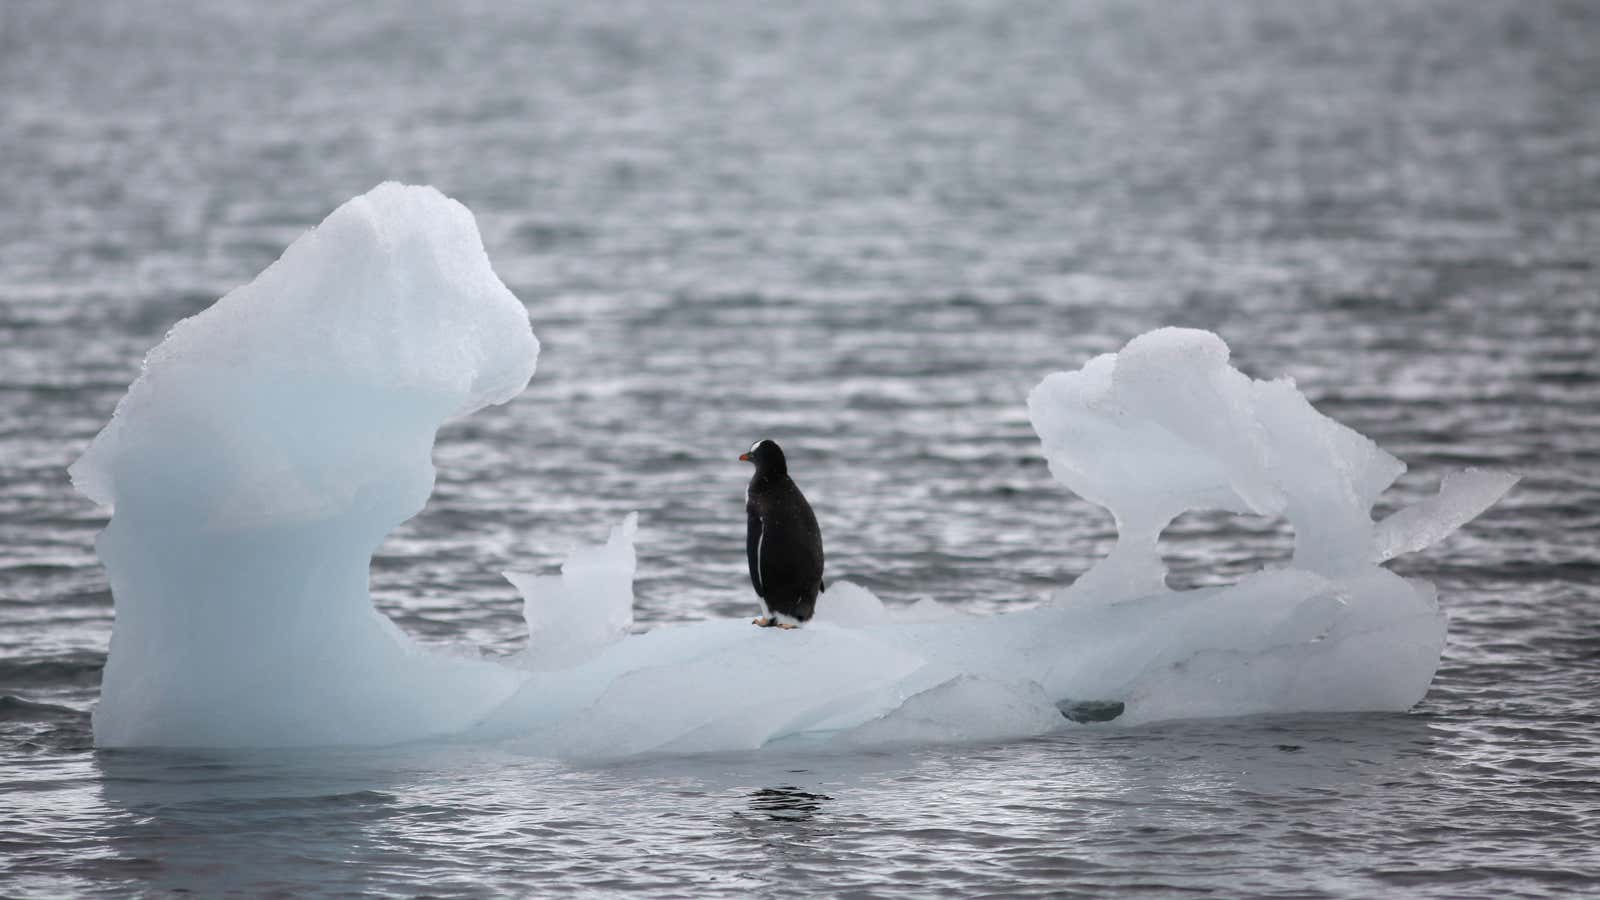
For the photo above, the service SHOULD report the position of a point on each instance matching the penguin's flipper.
(752, 549)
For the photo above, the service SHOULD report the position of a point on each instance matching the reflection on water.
(1104, 807)
(226, 821)
(787, 803)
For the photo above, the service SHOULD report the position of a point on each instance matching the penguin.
(782, 541)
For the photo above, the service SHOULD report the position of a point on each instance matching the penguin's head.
(767, 456)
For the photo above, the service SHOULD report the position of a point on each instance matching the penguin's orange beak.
(744, 457)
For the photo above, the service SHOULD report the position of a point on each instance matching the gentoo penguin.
(783, 541)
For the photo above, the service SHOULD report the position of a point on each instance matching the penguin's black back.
(783, 541)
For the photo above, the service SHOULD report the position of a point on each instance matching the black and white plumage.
(782, 541)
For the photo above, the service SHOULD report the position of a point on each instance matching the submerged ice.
(273, 440)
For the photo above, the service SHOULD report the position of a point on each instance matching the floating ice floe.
(273, 440)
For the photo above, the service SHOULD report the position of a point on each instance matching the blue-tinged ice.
(272, 441)
(263, 453)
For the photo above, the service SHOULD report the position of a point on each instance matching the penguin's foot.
(764, 621)
(787, 627)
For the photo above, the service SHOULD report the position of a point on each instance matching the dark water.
(865, 231)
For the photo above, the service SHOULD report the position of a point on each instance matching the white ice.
(574, 615)
(273, 440)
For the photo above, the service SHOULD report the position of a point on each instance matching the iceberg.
(262, 454)
(272, 441)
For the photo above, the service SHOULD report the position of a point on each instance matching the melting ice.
(273, 440)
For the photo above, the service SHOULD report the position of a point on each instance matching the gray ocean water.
(864, 230)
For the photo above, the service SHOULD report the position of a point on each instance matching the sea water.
(874, 268)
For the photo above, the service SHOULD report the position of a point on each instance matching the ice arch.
(1168, 425)
(272, 441)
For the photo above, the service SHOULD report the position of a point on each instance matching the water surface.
(865, 231)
